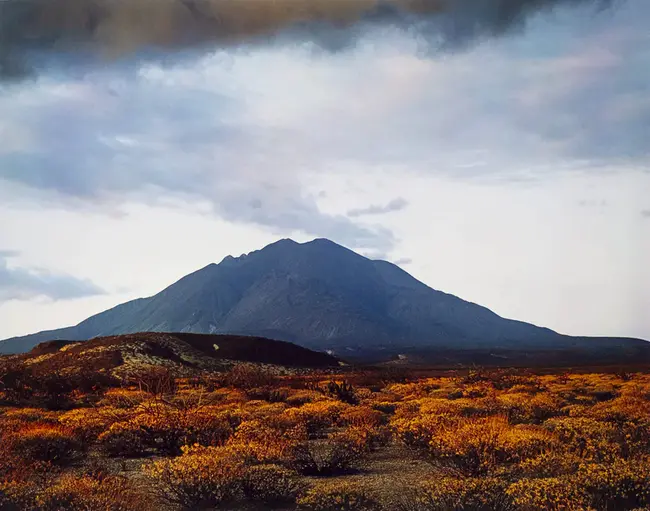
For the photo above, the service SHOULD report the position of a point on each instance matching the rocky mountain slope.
(319, 295)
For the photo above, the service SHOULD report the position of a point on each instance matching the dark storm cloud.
(394, 205)
(23, 284)
(33, 30)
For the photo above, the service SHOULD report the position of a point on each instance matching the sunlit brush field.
(255, 438)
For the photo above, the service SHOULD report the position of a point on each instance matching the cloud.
(403, 261)
(645, 213)
(394, 205)
(593, 203)
(26, 283)
(82, 30)
(159, 133)
(246, 131)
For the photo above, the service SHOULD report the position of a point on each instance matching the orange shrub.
(123, 398)
(479, 446)
(622, 484)
(42, 443)
(326, 457)
(272, 485)
(200, 477)
(343, 496)
(476, 494)
(361, 416)
(553, 493)
(267, 441)
(86, 493)
(165, 429)
(86, 424)
(590, 438)
(316, 417)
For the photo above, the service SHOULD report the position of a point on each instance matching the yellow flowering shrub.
(318, 416)
(165, 429)
(267, 441)
(343, 496)
(200, 477)
(361, 416)
(524, 408)
(123, 398)
(301, 397)
(217, 476)
(478, 446)
(553, 494)
(87, 424)
(272, 485)
(42, 443)
(622, 484)
(86, 493)
(476, 494)
(589, 438)
(552, 463)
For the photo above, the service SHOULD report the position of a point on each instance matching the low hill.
(127, 353)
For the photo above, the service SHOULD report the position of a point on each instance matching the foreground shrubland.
(249, 439)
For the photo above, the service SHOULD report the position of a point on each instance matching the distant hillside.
(126, 353)
(319, 295)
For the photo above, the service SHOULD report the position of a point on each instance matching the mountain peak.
(318, 294)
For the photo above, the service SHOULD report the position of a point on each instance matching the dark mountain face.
(317, 294)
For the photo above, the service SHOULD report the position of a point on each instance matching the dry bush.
(272, 485)
(557, 463)
(248, 377)
(317, 417)
(201, 477)
(301, 397)
(42, 443)
(417, 430)
(21, 415)
(447, 493)
(212, 477)
(87, 493)
(344, 496)
(270, 394)
(155, 380)
(268, 441)
(364, 438)
(123, 439)
(524, 408)
(622, 484)
(362, 416)
(123, 398)
(385, 407)
(597, 440)
(554, 494)
(165, 429)
(479, 446)
(86, 424)
(327, 457)
(622, 410)
(342, 391)
(17, 495)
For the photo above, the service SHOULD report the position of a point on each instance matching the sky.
(495, 150)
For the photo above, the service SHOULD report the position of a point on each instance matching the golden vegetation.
(483, 440)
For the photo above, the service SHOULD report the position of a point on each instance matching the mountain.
(127, 354)
(323, 296)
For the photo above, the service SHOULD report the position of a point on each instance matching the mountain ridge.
(317, 294)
